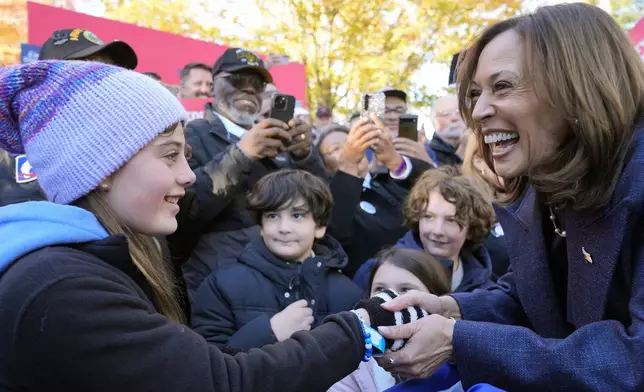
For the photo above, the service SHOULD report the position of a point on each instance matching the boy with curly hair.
(449, 218)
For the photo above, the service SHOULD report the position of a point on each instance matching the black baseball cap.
(237, 59)
(394, 92)
(76, 44)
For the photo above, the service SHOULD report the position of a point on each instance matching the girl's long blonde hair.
(469, 170)
(145, 252)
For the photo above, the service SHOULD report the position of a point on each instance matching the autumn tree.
(627, 12)
(176, 16)
(13, 22)
(363, 45)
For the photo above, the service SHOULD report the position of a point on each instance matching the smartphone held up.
(408, 127)
(282, 107)
(372, 104)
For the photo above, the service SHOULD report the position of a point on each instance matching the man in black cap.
(79, 44)
(232, 150)
(18, 183)
(395, 106)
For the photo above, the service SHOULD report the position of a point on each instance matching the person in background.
(236, 152)
(399, 270)
(84, 288)
(303, 114)
(323, 118)
(449, 219)
(21, 183)
(196, 81)
(80, 44)
(288, 278)
(367, 215)
(395, 106)
(490, 184)
(449, 129)
(556, 100)
(153, 75)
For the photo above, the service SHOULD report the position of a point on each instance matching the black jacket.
(232, 175)
(82, 318)
(361, 231)
(10, 191)
(234, 305)
(445, 153)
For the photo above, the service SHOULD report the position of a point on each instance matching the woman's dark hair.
(580, 63)
(422, 265)
(283, 188)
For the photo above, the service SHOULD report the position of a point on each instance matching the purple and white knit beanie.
(78, 122)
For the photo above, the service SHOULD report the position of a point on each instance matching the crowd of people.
(240, 252)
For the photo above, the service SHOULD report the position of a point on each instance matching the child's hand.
(295, 317)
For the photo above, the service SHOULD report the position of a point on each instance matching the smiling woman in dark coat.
(556, 100)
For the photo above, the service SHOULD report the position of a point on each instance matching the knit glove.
(379, 316)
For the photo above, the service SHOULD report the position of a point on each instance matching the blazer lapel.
(594, 241)
(529, 261)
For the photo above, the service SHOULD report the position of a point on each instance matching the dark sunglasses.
(241, 81)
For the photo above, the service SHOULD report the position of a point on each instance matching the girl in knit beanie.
(85, 299)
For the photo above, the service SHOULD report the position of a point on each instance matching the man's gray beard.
(240, 118)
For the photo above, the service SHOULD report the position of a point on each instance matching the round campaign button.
(367, 207)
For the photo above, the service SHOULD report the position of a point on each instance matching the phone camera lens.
(280, 103)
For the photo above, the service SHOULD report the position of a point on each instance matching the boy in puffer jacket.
(288, 278)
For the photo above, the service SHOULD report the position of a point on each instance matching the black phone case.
(285, 114)
(408, 129)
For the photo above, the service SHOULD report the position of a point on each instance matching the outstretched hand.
(445, 306)
(428, 347)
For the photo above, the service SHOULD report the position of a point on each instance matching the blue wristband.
(368, 346)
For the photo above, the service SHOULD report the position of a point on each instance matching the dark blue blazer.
(527, 344)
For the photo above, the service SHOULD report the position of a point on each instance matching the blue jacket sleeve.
(213, 318)
(497, 304)
(601, 356)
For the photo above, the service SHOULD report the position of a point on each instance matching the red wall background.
(637, 35)
(158, 51)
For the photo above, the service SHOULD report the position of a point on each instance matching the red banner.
(637, 35)
(159, 52)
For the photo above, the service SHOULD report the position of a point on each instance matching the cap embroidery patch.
(73, 36)
(247, 57)
(91, 37)
(60, 37)
(24, 171)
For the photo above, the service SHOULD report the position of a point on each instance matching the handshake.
(299, 317)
